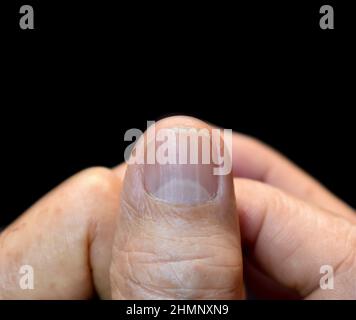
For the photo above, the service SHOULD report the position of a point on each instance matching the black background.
(91, 70)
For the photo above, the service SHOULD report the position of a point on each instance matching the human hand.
(124, 238)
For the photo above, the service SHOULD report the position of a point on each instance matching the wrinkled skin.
(101, 233)
(175, 252)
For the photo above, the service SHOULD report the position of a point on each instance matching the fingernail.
(183, 182)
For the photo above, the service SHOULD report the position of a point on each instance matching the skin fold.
(270, 227)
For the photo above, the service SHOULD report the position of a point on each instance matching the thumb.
(291, 241)
(177, 236)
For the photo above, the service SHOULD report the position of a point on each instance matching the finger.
(120, 171)
(177, 234)
(291, 240)
(66, 238)
(255, 160)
